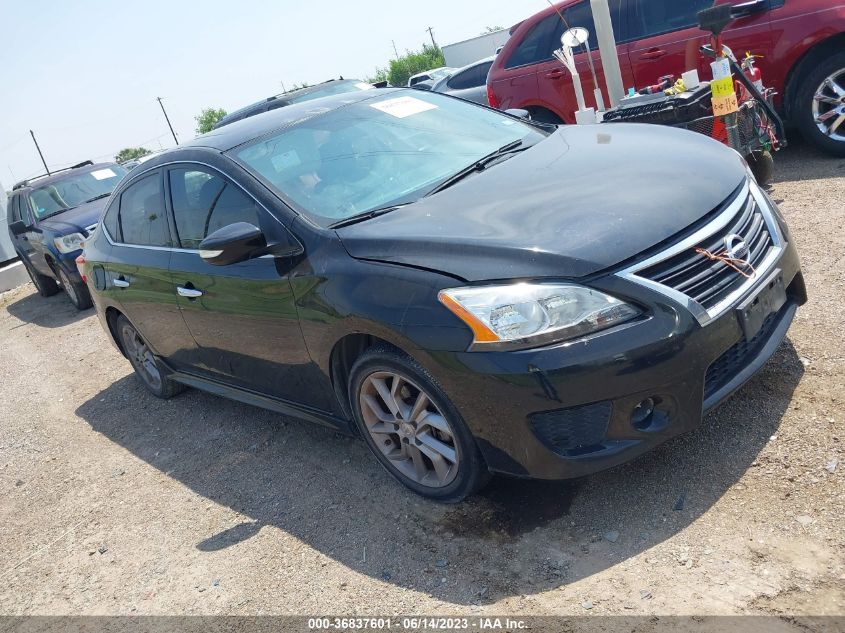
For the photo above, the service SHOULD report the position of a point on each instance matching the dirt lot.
(116, 503)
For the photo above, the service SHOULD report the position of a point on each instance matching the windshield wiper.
(100, 197)
(479, 165)
(367, 215)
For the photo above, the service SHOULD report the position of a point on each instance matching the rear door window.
(653, 17)
(142, 218)
(203, 202)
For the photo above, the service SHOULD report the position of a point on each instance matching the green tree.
(208, 118)
(131, 153)
(492, 29)
(411, 63)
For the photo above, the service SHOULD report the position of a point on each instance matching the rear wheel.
(413, 429)
(542, 115)
(819, 107)
(46, 286)
(144, 362)
(77, 292)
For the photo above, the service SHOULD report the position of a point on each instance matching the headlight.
(69, 243)
(529, 314)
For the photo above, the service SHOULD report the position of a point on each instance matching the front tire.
(819, 106)
(144, 362)
(412, 428)
(77, 292)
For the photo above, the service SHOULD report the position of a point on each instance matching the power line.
(166, 118)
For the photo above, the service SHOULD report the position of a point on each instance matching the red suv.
(802, 43)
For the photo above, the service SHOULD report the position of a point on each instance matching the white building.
(7, 251)
(460, 54)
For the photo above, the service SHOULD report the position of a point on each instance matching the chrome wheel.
(68, 287)
(409, 429)
(829, 106)
(141, 357)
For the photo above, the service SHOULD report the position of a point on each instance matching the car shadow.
(802, 161)
(49, 312)
(515, 538)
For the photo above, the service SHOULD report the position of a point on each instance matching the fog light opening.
(643, 414)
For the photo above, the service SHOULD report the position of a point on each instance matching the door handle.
(555, 74)
(654, 53)
(190, 293)
(120, 282)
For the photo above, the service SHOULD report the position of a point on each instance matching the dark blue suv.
(49, 219)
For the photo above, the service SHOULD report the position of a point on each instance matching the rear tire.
(821, 93)
(541, 115)
(412, 428)
(46, 286)
(147, 367)
(77, 292)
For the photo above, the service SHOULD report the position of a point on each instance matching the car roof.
(57, 176)
(245, 130)
(241, 113)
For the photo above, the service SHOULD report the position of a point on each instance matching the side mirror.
(17, 228)
(519, 113)
(232, 244)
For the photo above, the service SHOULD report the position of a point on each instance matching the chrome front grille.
(708, 282)
(710, 287)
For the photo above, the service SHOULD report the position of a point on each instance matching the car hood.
(582, 200)
(75, 220)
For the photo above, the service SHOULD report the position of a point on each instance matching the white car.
(429, 76)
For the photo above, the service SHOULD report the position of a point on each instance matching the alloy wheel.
(409, 429)
(829, 106)
(141, 357)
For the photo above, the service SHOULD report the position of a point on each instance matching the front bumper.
(566, 411)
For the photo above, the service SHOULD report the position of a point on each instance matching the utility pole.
(431, 32)
(166, 118)
(39, 152)
(394, 49)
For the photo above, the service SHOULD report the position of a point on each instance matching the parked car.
(50, 217)
(429, 77)
(330, 87)
(801, 43)
(469, 82)
(458, 286)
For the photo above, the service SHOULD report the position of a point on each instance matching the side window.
(653, 17)
(581, 14)
(14, 211)
(470, 78)
(110, 220)
(142, 218)
(537, 46)
(203, 202)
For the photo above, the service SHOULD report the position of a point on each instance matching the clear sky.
(84, 74)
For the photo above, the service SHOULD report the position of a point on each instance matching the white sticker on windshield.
(102, 174)
(402, 107)
(363, 86)
(285, 161)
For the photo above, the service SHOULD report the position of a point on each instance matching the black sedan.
(469, 292)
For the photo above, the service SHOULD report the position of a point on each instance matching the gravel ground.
(116, 503)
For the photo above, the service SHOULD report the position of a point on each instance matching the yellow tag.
(722, 87)
(725, 105)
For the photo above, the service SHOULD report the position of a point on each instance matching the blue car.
(50, 217)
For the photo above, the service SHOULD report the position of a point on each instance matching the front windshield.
(74, 190)
(379, 152)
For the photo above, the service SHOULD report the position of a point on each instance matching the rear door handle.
(190, 293)
(555, 74)
(653, 53)
(120, 282)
